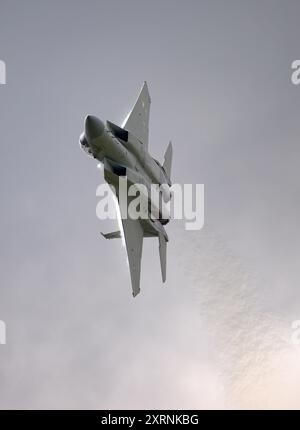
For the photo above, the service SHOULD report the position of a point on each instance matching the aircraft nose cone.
(94, 127)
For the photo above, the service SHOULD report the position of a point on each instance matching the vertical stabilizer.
(168, 160)
(163, 255)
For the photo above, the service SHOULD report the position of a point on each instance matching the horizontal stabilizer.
(112, 235)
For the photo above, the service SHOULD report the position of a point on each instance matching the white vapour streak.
(256, 356)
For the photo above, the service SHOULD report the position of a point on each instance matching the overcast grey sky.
(217, 335)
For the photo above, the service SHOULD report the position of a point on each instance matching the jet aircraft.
(123, 151)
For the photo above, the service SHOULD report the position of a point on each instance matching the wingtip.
(145, 85)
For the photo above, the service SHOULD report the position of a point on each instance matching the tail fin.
(168, 160)
(163, 255)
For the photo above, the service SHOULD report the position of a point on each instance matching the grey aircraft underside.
(124, 153)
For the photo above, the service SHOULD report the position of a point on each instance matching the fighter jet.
(123, 151)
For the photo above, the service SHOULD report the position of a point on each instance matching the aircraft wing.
(133, 234)
(137, 121)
